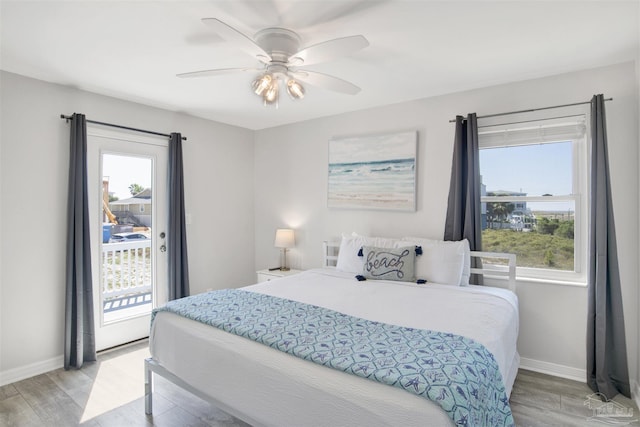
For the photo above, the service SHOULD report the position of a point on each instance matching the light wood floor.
(109, 392)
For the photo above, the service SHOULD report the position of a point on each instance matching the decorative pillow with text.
(389, 263)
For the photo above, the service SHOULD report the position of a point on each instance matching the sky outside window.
(536, 170)
(122, 171)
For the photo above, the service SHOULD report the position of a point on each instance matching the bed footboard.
(151, 367)
(148, 386)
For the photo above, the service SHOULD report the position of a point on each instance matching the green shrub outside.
(551, 249)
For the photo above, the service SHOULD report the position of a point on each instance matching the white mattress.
(268, 387)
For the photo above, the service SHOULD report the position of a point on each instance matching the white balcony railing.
(126, 268)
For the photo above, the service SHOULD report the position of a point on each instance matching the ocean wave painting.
(373, 172)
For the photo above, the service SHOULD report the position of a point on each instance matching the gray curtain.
(79, 336)
(463, 219)
(607, 370)
(177, 233)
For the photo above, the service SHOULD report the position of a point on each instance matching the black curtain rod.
(532, 110)
(62, 116)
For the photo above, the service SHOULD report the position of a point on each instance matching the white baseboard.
(554, 369)
(635, 392)
(28, 371)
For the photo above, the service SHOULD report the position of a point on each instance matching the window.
(533, 193)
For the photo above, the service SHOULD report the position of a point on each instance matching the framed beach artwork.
(373, 172)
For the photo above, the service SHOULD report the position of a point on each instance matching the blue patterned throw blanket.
(455, 372)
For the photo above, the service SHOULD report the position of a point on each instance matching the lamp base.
(283, 260)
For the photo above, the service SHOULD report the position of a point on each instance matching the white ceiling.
(133, 49)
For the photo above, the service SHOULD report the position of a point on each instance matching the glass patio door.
(127, 203)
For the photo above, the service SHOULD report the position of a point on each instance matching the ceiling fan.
(281, 55)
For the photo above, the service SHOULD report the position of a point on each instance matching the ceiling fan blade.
(232, 35)
(330, 49)
(326, 81)
(215, 72)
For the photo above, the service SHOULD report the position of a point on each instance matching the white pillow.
(441, 266)
(348, 259)
(440, 260)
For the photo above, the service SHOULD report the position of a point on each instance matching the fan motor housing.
(280, 43)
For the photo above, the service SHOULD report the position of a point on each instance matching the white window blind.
(539, 131)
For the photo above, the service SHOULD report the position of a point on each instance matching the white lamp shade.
(284, 238)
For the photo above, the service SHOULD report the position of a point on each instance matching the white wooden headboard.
(330, 251)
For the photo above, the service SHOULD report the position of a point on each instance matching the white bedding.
(269, 387)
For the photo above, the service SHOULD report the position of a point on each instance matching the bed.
(266, 386)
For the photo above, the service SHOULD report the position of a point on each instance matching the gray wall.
(242, 185)
(291, 188)
(34, 171)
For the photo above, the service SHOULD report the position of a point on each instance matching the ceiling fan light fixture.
(270, 96)
(262, 84)
(281, 53)
(295, 89)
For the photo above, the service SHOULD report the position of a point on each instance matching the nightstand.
(266, 275)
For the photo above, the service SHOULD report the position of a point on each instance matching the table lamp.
(284, 240)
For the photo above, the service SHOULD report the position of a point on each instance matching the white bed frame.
(330, 258)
